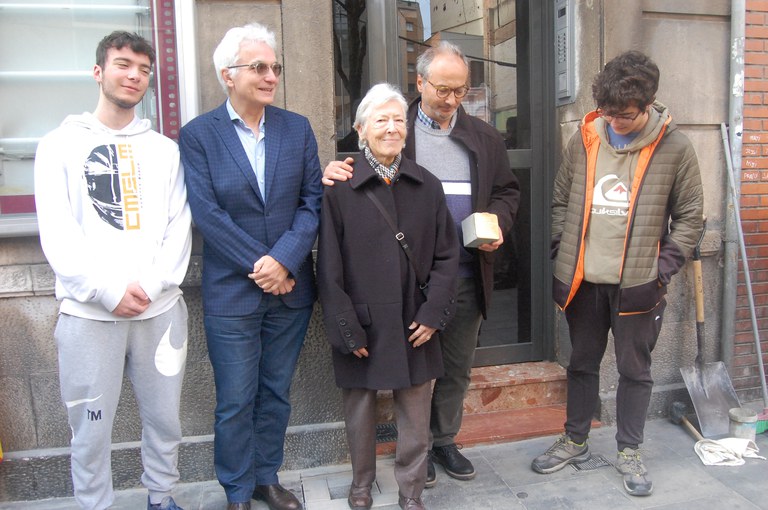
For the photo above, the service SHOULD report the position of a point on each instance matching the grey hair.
(426, 58)
(378, 95)
(228, 50)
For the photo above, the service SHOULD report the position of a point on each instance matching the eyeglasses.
(620, 116)
(443, 92)
(261, 68)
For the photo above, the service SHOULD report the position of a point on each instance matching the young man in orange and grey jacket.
(626, 212)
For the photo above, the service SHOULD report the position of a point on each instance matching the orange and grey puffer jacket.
(664, 220)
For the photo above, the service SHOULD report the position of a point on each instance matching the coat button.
(342, 322)
(347, 334)
(452, 301)
(443, 323)
(447, 311)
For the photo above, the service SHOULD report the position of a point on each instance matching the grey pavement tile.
(717, 503)
(47, 504)
(486, 479)
(513, 464)
(575, 493)
(213, 498)
(316, 489)
(512, 461)
(330, 504)
(470, 497)
(749, 480)
(385, 476)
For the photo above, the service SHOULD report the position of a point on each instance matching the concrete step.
(504, 403)
(501, 388)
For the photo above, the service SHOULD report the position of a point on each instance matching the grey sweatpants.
(92, 358)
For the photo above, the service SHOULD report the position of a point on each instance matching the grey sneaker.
(630, 465)
(560, 454)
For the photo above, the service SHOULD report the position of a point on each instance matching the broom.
(762, 418)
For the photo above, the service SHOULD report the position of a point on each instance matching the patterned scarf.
(387, 173)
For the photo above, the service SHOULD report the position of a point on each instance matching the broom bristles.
(762, 422)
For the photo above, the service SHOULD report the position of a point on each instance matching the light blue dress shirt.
(254, 146)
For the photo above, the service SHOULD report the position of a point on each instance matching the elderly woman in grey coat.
(385, 299)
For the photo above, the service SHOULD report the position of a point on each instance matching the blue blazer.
(238, 226)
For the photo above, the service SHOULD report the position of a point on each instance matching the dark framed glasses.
(442, 91)
(261, 67)
(620, 116)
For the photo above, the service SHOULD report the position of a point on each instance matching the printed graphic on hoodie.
(611, 197)
(114, 183)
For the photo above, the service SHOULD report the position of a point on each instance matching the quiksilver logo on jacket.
(114, 184)
(611, 197)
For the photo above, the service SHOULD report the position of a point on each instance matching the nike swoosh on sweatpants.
(73, 403)
(168, 360)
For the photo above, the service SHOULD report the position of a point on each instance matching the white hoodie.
(112, 209)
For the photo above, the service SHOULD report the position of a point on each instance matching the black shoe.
(277, 497)
(455, 464)
(431, 476)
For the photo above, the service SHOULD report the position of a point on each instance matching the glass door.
(505, 76)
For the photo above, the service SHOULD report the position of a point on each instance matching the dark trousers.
(412, 417)
(590, 315)
(457, 341)
(253, 360)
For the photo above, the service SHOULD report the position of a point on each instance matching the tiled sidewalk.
(505, 481)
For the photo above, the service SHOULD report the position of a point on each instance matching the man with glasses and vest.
(626, 212)
(470, 158)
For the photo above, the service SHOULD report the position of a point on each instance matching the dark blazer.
(495, 189)
(367, 286)
(238, 227)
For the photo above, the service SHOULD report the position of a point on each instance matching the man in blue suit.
(253, 180)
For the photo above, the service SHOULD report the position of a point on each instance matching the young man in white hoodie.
(115, 227)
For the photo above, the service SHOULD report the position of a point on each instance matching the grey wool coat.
(368, 289)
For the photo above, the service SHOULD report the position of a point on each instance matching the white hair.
(378, 95)
(228, 50)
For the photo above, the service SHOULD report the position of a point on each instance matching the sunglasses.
(261, 68)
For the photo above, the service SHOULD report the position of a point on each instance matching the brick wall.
(754, 204)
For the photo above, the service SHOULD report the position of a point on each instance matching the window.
(408, 26)
(47, 54)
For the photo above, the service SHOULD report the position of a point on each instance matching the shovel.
(708, 384)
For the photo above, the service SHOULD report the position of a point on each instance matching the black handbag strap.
(398, 235)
